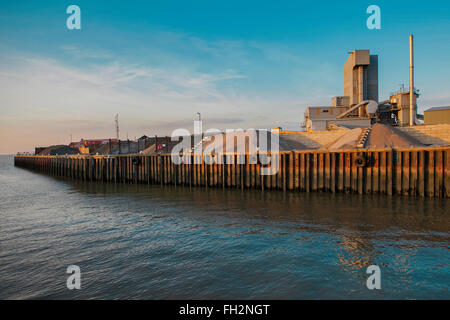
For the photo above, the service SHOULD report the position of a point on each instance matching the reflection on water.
(141, 241)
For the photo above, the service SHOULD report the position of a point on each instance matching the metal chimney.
(412, 107)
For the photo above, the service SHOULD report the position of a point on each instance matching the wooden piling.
(430, 173)
(415, 171)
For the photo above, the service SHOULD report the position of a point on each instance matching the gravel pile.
(385, 136)
(58, 150)
(286, 142)
(347, 141)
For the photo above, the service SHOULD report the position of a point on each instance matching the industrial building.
(360, 106)
(360, 84)
(361, 77)
(320, 118)
(437, 115)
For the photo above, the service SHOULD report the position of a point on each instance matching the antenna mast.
(117, 126)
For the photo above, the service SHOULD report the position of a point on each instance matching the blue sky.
(242, 64)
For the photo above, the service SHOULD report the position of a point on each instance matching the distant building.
(360, 84)
(400, 103)
(319, 119)
(340, 101)
(97, 142)
(361, 77)
(38, 150)
(91, 142)
(437, 115)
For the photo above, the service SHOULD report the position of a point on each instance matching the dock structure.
(421, 172)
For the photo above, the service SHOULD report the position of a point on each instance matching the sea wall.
(423, 172)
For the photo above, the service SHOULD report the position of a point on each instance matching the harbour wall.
(422, 172)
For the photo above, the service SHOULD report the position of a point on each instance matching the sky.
(241, 64)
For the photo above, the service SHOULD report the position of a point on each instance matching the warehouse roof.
(438, 108)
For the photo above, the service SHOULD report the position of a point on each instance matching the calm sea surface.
(152, 242)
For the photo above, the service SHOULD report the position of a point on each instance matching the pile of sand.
(348, 141)
(297, 141)
(385, 136)
(241, 141)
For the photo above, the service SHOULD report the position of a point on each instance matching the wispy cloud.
(47, 99)
(41, 93)
(85, 53)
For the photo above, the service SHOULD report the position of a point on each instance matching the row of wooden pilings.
(414, 172)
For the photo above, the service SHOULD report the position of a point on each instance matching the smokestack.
(412, 107)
